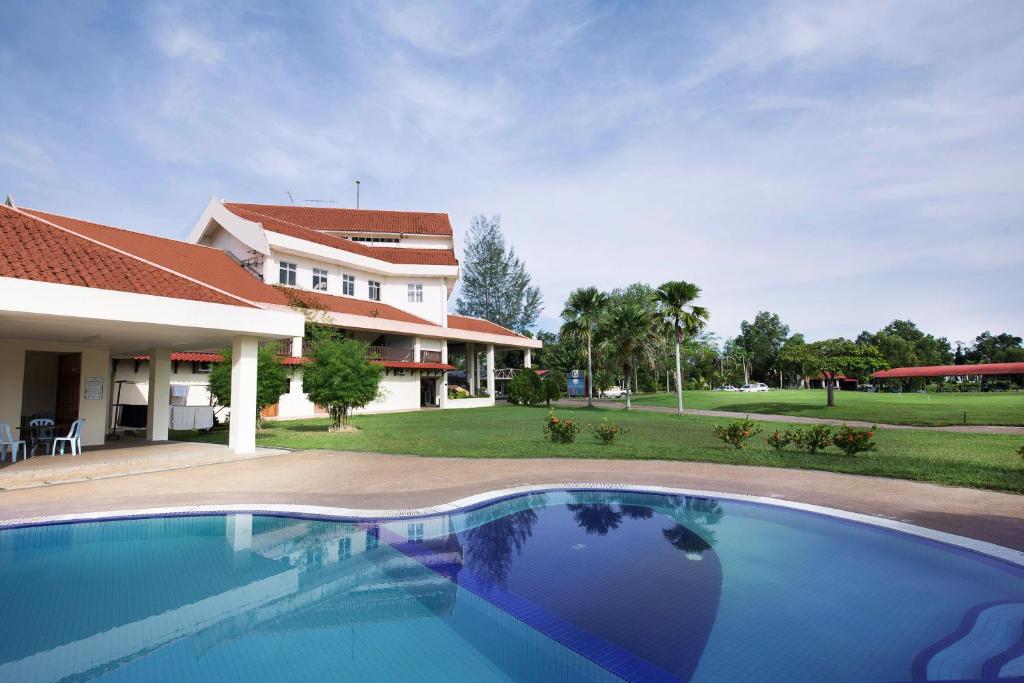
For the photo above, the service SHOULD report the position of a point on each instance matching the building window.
(415, 294)
(414, 532)
(374, 290)
(348, 285)
(372, 538)
(375, 240)
(344, 548)
(320, 279)
(286, 274)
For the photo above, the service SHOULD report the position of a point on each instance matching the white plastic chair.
(74, 439)
(7, 441)
(40, 433)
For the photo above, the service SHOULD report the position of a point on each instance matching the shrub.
(561, 431)
(552, 387)
(341, 378)
(1020, 451)
(736, 433)
(853, 441)
(813, 439)
(525, 388)
(455, 391)
(779, 440)
(607, 431)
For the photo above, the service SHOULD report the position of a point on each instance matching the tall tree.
(683, 318)
(833, 357)
(629, 337)
(341, 378)
(762, 341)
(996, 348)
(495, 285)
(582, 316)
(903, 344)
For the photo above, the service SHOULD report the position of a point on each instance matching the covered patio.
(69, 305)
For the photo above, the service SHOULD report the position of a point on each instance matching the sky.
(840, 163)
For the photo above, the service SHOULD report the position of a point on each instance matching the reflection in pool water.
(556, 586)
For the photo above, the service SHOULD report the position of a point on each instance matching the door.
(69, 380)
(427, 394)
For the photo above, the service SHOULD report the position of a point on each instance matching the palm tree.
(628, 334)
(675, 302)
(582, 315)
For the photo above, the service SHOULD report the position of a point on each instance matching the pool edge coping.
(986, 548)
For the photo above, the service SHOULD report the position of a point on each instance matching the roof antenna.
(10, 202)
(290, 197)
(357, 193)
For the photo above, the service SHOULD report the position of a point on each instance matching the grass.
(932, 410)
(985, 461)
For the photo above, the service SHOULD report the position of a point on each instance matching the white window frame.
(371, 286)
(287, 272)
(348, 285)
(415, 293)
(320, 279)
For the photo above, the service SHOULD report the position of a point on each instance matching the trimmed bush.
(853, 441)
(779, 440)
(606, 431)
(525, 388)
(561, 431)
(813, 439)
(736, 433)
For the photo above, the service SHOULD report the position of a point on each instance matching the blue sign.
(576, 384)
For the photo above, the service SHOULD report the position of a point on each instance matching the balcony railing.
(430, 356)
(390, 353)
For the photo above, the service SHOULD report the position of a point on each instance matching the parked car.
(614, 392)
(727, 387)
(754, 387)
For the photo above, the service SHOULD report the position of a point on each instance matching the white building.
(81, 303)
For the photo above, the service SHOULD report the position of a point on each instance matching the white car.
(727, 387)
(614, 392)
(755, 386)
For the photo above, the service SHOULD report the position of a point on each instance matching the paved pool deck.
(378, 481)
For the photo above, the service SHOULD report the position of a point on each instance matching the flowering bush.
(561, 431)
(779, 440)
(813, 439)
(607, 431)
(853, 441)
(736, 433)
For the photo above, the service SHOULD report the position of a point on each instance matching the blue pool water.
(559, 586)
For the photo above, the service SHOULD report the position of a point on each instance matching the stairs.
(987, 646)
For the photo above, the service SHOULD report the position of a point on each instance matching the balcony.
(430, 356)
(401, 355)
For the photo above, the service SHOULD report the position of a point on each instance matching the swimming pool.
(556, 585)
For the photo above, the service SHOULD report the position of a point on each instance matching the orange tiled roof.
(31, 249)
(354, 220)
(462, 322)
(197, 356)
(431, 257)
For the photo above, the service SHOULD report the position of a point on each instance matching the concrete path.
(762, 417)
(369, 480)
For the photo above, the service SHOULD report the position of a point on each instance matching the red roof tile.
(462, 322)
(433, 257)
(354, 220)
(952, 370)
(31, 249)
(344, 304)
(195, 356)
(295, 360)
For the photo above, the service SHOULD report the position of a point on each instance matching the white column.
(528, 358)
(490, 370)
(443, 398)
(415, 349)
(239, 532)
(471, 367)
(158, 416)
(242, 430)
(296, 347)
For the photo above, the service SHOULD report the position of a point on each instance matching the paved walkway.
(762, 417)
(369, 480)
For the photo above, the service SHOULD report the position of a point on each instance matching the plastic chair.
(7, 441)
(42, 432)
(74, 439)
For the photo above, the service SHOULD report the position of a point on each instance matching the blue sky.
(842, 163)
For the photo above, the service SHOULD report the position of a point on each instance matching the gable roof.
(470, 324)
(215, 268)
(952, 370)
(354, 220)
(34, 248)
(283, 226)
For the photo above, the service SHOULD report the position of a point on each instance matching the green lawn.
(912, 409)
(977, 460)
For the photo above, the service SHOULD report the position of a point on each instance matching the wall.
(138, 393)
(398, 392)
(39, 394)
(95, 363)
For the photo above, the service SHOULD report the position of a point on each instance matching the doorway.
(428, 393)
(51, 386)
